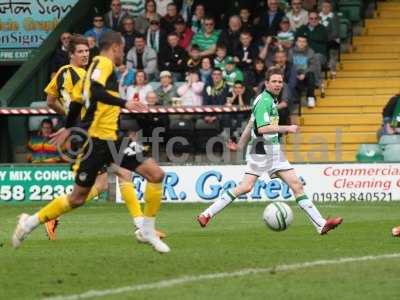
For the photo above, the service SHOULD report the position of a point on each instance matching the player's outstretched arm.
(268, 129)
(100, 94)
(246, 134)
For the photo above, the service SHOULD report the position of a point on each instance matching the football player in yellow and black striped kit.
(103, 108)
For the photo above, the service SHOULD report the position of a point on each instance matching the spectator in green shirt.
(231, 73)
(207, 38)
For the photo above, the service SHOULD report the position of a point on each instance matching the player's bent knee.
(157, 177)
(76, 200)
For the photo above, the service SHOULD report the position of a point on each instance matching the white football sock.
(148, 227)
(31, 223)
(312, 212)
(138, 222)
(226, 198)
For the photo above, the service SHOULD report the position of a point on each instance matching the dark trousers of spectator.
(232, 122)
(308, 85)
(333, 52)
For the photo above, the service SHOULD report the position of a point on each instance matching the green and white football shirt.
(264, 112)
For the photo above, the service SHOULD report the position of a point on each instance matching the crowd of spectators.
(191, 52)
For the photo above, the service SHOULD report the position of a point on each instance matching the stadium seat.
(368, 153)
(345, 28)
(352, 10)
(34, 122)
(204, 132)
(182, 128)
(389, 139)
(127, 123)
(391, 153)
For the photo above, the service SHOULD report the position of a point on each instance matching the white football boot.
(147, 234)
(20, 233)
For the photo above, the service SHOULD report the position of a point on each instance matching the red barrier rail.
(18, 111)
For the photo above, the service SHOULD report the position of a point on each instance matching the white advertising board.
(322, 183)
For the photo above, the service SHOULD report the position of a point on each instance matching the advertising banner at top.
(25, 24)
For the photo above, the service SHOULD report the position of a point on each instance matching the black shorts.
(99, 153)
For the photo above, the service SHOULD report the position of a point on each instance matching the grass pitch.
(96, 250)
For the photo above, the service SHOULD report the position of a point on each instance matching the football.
(278, 216)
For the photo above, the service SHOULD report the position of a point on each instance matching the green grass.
(96, 250)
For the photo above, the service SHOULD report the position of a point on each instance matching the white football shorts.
(272, 162)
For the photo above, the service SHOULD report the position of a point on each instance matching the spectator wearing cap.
(305, 62)
(142, 57)
(113, 18)
(246, 52)
(150, 13)
(167, 90)
(173, 58)
(162, 7)
(297, 16)
(285, 36)
(155, 36)
(230, 36)
(98, 29)
(191, 92)
(139, 89)
(184, 32)
(60, 57)
(129, 33)
(331, 22)
(207, 39)
(231, 74)
(198, 18)
(194, 61)
(269, 20)
(317, 37)
(168, 21)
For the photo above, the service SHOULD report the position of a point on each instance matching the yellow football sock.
(92, 194)
(59, 206)
(128, 194)
(152, 197)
